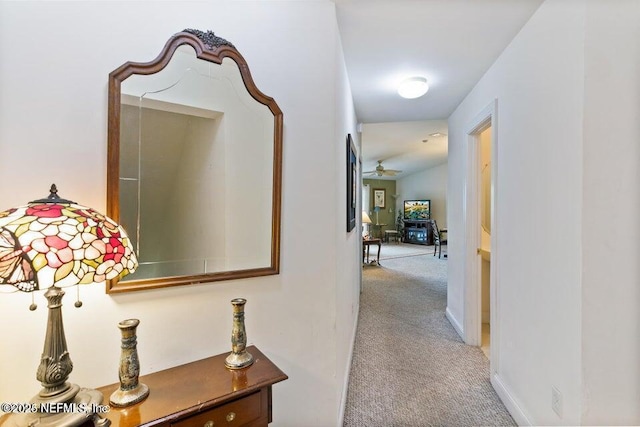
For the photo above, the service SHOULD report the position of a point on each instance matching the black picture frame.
(352, 184)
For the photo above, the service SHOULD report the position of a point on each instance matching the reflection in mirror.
(199, 153)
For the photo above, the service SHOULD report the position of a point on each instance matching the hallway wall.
(611, 201)
(56, 57)
(348, 255)
(567, 232)
(538, 82)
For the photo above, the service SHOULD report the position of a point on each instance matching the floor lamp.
(365, 225)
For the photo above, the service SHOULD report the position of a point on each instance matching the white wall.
(610, 227)
(53, 120)
(566, 197)
(348, 252)
(428, 184)
(538, 81)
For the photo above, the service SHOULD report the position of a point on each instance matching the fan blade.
(390, 172)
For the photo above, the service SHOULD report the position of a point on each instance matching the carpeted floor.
(398, 250)
(410, 368)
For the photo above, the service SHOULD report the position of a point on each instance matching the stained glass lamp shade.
(50, 244)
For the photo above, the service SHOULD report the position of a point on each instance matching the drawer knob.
(209, 424)
(231, 416)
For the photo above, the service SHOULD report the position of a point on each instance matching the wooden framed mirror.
(194, 165)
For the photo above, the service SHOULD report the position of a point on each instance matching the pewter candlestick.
(130, 391)
(239, 357)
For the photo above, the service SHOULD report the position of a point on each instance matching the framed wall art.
(352, 184)
(379, 196)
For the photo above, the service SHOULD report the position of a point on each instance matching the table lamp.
(50, 244)
(365, 224)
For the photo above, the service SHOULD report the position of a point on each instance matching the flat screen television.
(417, 209)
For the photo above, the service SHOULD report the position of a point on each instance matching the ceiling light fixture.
(437, 134)
(413, 87)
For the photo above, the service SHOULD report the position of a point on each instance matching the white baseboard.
(454, 322)
(518, 414)
(345, 385)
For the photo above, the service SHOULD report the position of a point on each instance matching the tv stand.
(417, 231)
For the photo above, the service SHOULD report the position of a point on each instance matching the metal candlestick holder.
(239, 357)
(130, 391)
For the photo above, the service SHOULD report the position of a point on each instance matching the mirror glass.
(196, 172)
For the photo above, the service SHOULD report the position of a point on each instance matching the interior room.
(562, 101)
(405, 165)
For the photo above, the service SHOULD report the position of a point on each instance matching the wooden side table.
(203, 393)
(366, 243)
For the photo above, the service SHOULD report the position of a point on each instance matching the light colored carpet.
(410, 368)
(398, 250)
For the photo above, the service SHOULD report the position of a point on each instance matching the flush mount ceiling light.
(413, 87)
(437, 134)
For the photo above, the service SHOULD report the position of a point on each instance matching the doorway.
(481, 305)
(484, 205)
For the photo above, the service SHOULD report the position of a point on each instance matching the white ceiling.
(400, 146)
(450, 42)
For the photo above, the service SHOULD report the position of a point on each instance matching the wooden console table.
(203, 393)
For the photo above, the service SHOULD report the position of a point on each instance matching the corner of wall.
(455, 323)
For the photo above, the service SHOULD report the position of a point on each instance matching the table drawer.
(240, 412)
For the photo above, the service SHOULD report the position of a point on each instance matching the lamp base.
(82, 409)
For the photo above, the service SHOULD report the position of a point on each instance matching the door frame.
(487, 117)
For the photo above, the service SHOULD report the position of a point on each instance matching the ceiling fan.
(381, 171)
